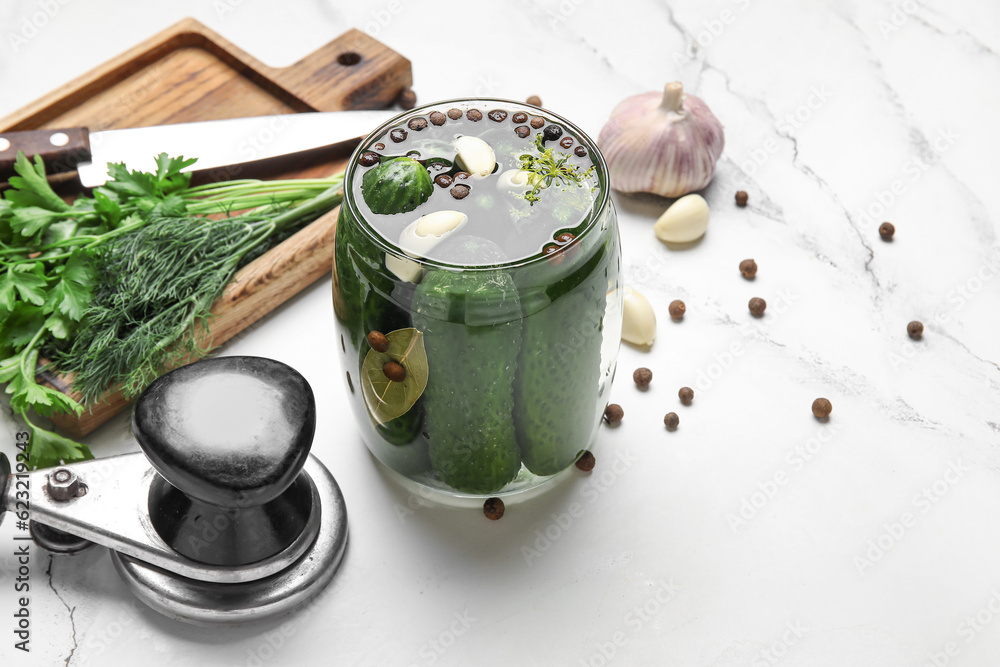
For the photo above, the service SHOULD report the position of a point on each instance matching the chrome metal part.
(207, 604)
(63, 484)
(114, 513)
(57, 541)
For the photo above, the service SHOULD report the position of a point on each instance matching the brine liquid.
(497, 211)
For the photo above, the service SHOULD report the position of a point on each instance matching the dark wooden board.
(189, 73)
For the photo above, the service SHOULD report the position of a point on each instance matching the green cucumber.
(472, 335)
(558, 373)
(396, 185)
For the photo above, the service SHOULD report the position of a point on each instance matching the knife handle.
(61, 150)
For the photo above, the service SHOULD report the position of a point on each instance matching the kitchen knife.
(216, 143)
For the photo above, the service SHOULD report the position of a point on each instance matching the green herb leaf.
(30, 286)
(31, 220)
(59, 325)
(386, 399)
(168, 172)
(21, 325)
(30, 189)
(10, 367)
(107, 208)
(7, 292)
(51, 449)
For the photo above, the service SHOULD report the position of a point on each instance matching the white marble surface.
(831, 109)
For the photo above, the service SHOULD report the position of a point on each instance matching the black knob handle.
(229, 437)
(230, 431)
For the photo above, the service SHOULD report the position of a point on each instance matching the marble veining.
(754, 534)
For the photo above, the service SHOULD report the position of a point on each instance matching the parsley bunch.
(115, 286)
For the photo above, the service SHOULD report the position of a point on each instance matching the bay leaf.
(386, 399)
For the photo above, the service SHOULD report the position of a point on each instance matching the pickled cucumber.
(472, 335)
(558, 372)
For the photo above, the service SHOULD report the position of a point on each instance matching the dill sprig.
(550, 168)
(153, 302)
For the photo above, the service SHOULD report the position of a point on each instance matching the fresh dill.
(549, 168)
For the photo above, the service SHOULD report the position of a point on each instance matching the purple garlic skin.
(666, 143)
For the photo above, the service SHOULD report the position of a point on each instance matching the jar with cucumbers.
(477, 295)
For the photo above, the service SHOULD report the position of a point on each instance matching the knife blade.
(216, 143)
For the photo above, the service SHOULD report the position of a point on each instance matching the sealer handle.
(229, 431)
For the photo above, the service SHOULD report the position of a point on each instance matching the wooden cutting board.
(189, 73)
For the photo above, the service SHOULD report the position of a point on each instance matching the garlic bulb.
(665, 144)
(685, 220)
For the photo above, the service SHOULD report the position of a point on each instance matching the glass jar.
(508, 365)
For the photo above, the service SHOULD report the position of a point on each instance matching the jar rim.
(588, 223)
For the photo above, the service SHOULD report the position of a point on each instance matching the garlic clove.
(419, 237)
(514, 180)
(405, 269)
(666, 144)
(638, 319)
(519, 180)
(433, 225)
(686, 220)
(475, 156)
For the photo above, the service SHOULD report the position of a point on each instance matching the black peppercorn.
(886, 230)
(493, 508)
(552, 132)
(407, 99)
(686, 394)
(613, 414)
(822, 408)
(368, 158)
(378, 341)
(586, 461)
(394, 371)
